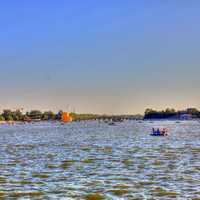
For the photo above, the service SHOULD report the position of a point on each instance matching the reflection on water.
(94, 161)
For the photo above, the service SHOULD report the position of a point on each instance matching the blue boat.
(159, 132)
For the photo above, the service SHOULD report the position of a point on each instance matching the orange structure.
(66, 117)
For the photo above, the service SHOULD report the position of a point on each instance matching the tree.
(17, 115)
(7, 114)
(147, 111)
(9, 118)
(152, 114)
(2, 118)
(192, 111)
(170, 110)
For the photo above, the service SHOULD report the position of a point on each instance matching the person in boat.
(165, 131)
(159, 131)
(156, 132)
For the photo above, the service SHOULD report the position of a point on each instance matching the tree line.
(37, 115)
(17, 115)
(171, 113)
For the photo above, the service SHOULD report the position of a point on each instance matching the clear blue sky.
(100, 56)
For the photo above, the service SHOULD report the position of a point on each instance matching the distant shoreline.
(172, 114)
(9, 117)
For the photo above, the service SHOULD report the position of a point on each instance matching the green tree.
(192, 111)
(17, 115)
(9, 118)
(2, 118)
(170, 110)
(148, 111)
(7, 114)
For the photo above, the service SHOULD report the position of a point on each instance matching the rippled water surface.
(94, 161)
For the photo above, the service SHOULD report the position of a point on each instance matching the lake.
(92, 160)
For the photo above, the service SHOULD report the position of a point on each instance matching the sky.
(112, 57)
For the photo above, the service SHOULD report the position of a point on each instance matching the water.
(91, 160)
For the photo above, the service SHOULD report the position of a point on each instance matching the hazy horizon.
(106, 57)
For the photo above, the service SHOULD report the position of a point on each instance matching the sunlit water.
(92, 160)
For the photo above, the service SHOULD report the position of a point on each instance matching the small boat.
(111, 124)
(159, 132)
